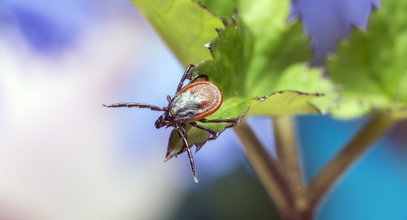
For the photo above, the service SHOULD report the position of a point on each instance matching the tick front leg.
(232, 122)
(134, 105)
(215, 134)
(182, 133)
(205, 77)
(186, 75)
(210, 131)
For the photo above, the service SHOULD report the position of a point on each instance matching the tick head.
(163, 120)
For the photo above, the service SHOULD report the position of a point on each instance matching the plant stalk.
(286, 146)
(326, 178)
(267, 168)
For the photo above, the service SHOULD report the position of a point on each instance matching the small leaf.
(175, 144)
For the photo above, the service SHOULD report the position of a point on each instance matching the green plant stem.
(267, 169)
(286, 146)
(373, 130)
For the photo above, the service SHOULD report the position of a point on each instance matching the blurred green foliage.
(371, 66)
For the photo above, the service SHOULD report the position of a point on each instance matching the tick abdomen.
(195, 101)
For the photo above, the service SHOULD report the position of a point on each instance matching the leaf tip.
(170, 155)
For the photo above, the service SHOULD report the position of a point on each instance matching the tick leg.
(134, 105)
(186, 75)
(210, 131)
(182, 133)
(205, 77)
(233, 122)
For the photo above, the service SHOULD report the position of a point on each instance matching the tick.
(191, 104)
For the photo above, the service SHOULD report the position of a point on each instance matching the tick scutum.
(185, 106)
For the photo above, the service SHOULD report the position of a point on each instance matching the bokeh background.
(64, 157)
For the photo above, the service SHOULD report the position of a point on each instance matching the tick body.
(195, 102)
(190, 104)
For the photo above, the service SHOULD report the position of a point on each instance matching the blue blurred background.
(62, 156)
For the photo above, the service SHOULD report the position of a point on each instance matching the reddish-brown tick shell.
(209, 93)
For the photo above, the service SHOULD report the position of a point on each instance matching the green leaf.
(175, 144)
(184, 25)
(256, 53)
(371, 66)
